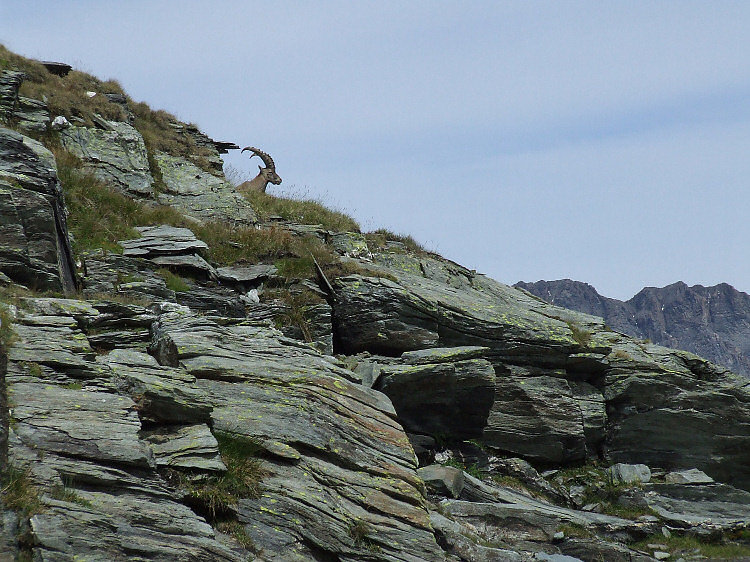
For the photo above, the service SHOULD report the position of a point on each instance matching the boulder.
(162, 240)
(692, 476)
(443, 480)
(622, 473)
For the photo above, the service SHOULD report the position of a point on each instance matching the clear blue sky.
(607, 142)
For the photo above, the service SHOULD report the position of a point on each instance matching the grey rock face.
(187, 446)
(709, 507)
(115, 154)
(34, 245)
(537, 417)
(200, 195)
(713, 322)
(25, 113)
(566, 386)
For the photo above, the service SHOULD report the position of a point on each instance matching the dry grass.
(66, 95)
(302, 211)
(378, 240)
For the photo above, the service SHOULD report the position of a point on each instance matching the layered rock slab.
(341, 473)
(34, 245)
(82, 446)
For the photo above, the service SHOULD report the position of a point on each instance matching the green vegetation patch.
(581, 335)
(7, 336)
(472, 469)
(360, 531)
(67, 96)
(173, 281)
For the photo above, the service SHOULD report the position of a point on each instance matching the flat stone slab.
(249, 274)
(443, 354)
(190, 262)
(162, 240)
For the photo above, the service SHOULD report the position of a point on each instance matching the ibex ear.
(260, 168)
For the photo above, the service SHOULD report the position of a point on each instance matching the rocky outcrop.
(713, 322)
(34, 245)
(114, 152)
(23, 113)
(567, 388)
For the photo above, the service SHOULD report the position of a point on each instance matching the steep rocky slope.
(713, 322)
(183, 385)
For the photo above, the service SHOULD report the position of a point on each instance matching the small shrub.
(359, 530)
(173, 281)
(472, 469)
(7, 336)
(622, 354)
(67, 494)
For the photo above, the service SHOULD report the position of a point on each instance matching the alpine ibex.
(265, 175)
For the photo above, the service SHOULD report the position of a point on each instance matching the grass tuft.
(217, 495)
(581, 335)
(19, 493)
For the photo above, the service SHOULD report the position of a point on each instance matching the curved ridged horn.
(267, 160)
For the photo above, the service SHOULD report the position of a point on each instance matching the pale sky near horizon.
(607, 142)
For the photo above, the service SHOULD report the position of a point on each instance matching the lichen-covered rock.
(201, 195)
(538, 418)
(34, 245)
(341, 473)
(114, 153)
(674, 410)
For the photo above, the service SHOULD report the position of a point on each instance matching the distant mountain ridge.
(713, 322)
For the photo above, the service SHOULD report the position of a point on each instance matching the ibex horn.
(267, 160)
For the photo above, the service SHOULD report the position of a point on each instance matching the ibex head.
(265, 175)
